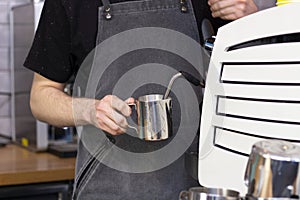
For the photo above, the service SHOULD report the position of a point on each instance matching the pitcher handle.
(129, 126)
(184, 195)
(248, 171)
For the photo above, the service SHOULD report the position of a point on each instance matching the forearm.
(50, 104)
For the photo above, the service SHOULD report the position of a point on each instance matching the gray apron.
(95, 180)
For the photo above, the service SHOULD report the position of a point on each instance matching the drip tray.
(66, 150)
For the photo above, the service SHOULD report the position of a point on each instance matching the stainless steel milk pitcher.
(273, 170)
(154, 117)
(203, 193)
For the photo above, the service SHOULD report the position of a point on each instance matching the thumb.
(130, 100)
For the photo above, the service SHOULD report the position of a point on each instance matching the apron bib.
(95, 180)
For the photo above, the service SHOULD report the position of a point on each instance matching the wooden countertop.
(20, 166)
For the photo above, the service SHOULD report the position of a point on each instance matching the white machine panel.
(252, 93)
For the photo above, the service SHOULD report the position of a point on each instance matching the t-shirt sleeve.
(50, 53)
(264, 4)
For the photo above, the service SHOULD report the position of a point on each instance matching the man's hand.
(110, 114)
(49, 103)
(232, 9)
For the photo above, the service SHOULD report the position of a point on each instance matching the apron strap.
(107, 9)
(183, 6)
(108, 14)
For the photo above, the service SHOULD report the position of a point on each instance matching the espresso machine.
(251, 98)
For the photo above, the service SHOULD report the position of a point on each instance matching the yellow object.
(284, 2)
(25, 142)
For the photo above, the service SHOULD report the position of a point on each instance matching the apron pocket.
(84, 175)
(87, 171)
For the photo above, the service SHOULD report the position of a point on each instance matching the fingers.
(118, 104)
(227, 13)
(221, 8)
(232, 9)
(111, 113)
(220, 4)
(107, 124)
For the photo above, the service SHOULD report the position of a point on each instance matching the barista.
(68, 31)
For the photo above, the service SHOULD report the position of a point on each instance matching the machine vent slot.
(277, 111)
(286, 38)
(261, 73)
(227, 140)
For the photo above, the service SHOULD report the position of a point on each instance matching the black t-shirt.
(67, 33)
